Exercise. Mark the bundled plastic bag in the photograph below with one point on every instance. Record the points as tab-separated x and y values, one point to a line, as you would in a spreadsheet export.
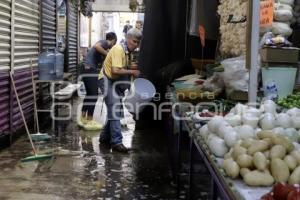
235	76
215	83
283	15
288	2
279	28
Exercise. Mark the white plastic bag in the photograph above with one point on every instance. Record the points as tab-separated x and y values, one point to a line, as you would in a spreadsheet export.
283	15
235	75
279	28
289	2
280	6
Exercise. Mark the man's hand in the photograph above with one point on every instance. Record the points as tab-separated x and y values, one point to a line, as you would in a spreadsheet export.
136	73
133	66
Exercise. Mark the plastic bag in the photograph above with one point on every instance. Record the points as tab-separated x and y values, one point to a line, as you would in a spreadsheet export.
281	29
280	6
283	15
235	75
266	37
289	2
214	83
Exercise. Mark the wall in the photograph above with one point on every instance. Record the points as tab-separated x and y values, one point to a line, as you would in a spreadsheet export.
111	5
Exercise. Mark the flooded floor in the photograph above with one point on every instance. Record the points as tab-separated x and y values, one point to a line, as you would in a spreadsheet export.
81	169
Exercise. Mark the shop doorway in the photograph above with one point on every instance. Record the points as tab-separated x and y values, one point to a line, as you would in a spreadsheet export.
94	29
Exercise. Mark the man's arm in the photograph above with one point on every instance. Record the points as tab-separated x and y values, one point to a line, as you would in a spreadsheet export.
100	49
122	71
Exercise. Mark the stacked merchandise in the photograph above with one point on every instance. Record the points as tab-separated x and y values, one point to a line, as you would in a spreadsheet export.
233	22
233	27
283	15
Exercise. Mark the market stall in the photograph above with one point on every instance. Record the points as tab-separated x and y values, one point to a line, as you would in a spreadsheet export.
252	145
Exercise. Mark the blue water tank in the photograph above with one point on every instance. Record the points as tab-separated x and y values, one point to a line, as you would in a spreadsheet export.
47	62
59	58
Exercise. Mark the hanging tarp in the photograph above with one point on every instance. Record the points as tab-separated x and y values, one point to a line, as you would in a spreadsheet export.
204	13
164	36
48	24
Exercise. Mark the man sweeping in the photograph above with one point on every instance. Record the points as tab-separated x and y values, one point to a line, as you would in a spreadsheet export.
116	69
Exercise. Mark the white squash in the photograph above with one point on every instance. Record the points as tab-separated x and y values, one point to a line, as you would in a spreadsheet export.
233	120
293	111
283	120
267	122
223	128
213	124
292	134
217	146
269	106
254	112
246	131
230	136
239	109
296	121
279	131
204	132
250	119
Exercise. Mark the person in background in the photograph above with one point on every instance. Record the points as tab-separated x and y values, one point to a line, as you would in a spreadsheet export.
126	27
116	68
92	66
139	25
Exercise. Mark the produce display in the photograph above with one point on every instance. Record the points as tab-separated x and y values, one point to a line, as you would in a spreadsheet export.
290	101
260	146
283	191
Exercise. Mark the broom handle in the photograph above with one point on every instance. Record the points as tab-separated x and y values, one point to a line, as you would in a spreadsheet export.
34	99
22	114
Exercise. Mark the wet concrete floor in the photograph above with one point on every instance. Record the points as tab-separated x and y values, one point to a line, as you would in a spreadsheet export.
81	169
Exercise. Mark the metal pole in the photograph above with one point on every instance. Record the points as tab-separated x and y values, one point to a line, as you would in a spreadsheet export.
252	47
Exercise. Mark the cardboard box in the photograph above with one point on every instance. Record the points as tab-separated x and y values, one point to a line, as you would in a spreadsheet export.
279	55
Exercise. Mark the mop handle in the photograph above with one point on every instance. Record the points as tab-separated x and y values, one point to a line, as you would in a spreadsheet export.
22	114
34	98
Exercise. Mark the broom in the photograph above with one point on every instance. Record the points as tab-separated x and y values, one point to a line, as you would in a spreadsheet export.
35	156
38	136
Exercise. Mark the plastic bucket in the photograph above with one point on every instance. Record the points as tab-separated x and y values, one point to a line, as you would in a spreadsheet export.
284	77
141	92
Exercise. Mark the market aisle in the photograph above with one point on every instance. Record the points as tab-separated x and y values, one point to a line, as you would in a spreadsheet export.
82	169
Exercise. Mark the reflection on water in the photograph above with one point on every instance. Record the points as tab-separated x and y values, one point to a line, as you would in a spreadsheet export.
81	169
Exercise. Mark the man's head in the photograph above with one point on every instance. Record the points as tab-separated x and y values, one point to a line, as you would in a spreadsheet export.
138	24
127	22
133	38
111	38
